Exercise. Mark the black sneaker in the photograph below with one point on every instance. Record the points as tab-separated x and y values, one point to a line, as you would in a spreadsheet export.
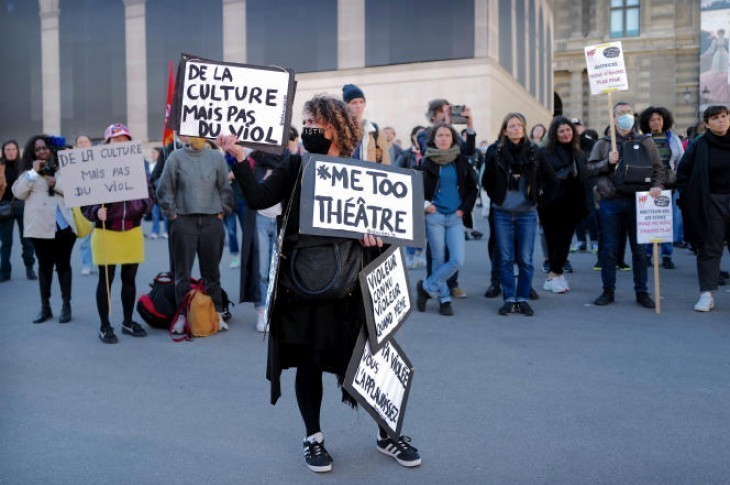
507	308
605	298
667	263
422	298
622	266
445	309
493	291
643	299
317	458
533	294
597	266
134	329
106	335
567	267
524	308
402	451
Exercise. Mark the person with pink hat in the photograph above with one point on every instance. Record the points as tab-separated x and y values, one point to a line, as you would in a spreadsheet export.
118	239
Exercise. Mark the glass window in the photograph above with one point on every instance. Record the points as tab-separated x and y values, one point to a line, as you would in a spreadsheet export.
625	18
418	30
297	34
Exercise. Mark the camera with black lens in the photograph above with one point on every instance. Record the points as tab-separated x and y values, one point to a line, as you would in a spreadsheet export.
47	169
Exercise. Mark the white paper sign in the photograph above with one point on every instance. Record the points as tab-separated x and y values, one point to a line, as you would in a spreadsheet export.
103	174
606	68
387	299
221	99
381	382
654	218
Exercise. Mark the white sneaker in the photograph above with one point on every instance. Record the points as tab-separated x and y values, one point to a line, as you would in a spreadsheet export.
553	284
153	236
164	235
222	325
86	271
178	327
235	262
563	282
705	303
261	325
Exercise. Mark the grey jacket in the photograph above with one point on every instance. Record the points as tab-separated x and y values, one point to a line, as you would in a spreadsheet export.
195	182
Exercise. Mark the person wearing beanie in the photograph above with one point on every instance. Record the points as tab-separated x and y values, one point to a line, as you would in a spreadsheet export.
373	146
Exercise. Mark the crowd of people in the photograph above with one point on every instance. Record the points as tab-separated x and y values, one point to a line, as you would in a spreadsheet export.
558	183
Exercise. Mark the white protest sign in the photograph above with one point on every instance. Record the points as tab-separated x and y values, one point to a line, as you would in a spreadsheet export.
251	102
380	382
654	218
606	68
350	198
385	287
103	174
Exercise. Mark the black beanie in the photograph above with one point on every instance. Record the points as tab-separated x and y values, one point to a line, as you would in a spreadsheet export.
350	92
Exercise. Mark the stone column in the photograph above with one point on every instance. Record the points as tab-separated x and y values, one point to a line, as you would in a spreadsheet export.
136	63
350	34
50	66
576	95
481	34
234	30
493	29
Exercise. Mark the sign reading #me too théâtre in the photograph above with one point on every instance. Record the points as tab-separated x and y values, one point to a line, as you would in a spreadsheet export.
350	198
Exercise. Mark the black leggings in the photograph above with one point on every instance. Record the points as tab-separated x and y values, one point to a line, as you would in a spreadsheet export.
308	385
129	292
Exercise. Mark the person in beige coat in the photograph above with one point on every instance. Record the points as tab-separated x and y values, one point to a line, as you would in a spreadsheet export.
48	223
372	147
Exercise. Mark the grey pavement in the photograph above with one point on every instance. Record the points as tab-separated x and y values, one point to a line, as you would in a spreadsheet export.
576	394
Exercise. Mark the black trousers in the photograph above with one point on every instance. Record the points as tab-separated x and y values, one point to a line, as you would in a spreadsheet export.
129	292
493	250
709	253
558	228
56	253
6	241
202	236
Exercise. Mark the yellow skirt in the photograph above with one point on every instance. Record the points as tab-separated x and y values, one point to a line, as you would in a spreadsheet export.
117	247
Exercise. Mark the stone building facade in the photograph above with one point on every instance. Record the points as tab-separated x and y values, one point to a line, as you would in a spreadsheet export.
661	42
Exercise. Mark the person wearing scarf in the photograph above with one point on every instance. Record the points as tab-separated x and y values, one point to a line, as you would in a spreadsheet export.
514	180
703	182
450	192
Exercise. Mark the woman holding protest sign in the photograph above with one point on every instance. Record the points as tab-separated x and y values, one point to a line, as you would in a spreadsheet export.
450	190
314	336
48	223
118	240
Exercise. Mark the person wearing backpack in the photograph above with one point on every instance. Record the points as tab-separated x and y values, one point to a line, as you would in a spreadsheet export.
616	187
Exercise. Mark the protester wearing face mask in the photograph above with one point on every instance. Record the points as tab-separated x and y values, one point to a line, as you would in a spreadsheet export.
118	240
195	195
617	208
313	336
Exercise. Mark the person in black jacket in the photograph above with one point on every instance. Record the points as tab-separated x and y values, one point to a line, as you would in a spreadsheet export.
560	215
450	190
514	180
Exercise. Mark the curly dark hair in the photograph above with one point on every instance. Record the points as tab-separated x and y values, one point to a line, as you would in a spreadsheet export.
335	113
29	152
645	116
552	135
432	134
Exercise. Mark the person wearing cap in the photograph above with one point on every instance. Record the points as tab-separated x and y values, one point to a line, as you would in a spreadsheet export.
118	240
372	147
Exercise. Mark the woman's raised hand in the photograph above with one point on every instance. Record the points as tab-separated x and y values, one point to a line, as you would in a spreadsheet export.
229	144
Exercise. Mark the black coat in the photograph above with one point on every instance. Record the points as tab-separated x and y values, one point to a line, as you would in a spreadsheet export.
693	184
466	180
568	196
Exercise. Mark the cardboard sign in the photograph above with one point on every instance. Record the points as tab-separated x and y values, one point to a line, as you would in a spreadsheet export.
606	69
254	103
350	198
385	289
103	174
380	382
654	218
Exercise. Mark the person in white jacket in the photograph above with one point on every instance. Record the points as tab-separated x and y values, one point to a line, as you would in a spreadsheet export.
48	223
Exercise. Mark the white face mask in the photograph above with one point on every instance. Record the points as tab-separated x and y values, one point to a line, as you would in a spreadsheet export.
625	122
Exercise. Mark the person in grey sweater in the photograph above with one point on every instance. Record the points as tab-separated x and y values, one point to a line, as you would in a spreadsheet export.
194	194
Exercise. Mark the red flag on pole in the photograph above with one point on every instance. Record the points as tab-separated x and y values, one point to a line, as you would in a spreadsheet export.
167	134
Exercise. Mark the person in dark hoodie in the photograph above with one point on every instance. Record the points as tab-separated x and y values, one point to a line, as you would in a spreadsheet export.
515	179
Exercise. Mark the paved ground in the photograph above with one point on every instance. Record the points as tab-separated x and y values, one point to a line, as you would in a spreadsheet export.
577	394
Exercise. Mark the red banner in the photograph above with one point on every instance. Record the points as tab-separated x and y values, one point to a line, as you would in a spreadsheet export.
167	134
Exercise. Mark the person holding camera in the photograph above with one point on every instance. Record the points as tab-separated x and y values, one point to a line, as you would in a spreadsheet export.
48	222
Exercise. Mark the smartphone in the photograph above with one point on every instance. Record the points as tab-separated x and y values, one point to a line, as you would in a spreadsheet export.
456	114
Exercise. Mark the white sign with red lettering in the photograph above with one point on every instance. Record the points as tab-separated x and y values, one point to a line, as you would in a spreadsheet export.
606	68
654	218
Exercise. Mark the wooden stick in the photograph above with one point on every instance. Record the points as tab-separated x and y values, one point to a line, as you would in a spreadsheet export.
612	122
106	266
657	293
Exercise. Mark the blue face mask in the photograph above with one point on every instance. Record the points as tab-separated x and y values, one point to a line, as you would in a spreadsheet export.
625	122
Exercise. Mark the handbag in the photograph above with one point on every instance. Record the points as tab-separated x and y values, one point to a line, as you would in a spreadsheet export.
6	210
83	225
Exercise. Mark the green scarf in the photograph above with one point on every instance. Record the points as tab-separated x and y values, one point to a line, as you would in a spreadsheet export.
443	157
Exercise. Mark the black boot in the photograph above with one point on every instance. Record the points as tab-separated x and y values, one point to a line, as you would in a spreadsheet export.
30	274
44	283
64	278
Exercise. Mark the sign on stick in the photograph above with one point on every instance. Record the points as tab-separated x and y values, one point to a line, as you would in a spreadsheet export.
654	218
606	68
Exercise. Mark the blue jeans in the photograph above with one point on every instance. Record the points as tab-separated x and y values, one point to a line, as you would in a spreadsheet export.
442	231
515	233
239	210
616	216
158	216
85	251
266	233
